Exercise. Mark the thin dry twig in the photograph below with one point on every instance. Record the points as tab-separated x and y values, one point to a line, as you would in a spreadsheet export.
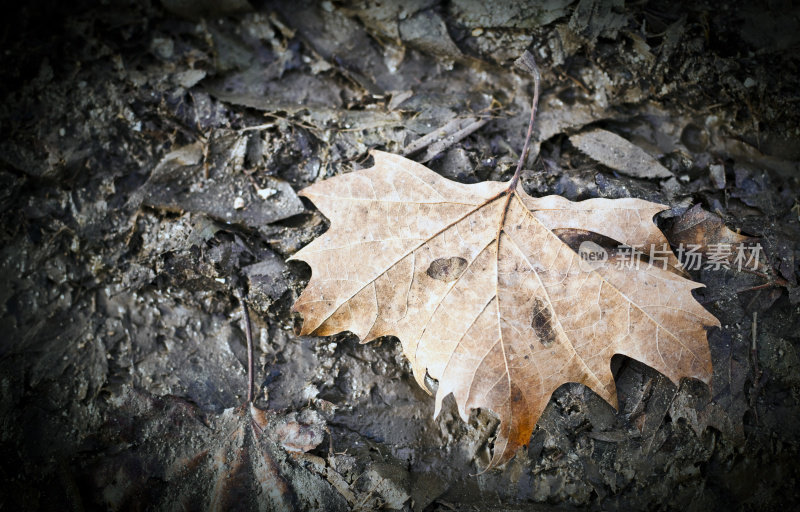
442	138
249	335
756	369
440	146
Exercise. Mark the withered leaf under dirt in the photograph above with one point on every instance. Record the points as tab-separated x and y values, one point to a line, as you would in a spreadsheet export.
167	454
486	298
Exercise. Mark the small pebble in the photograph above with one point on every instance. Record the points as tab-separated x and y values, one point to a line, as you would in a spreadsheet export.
477	32
266	193
238	203
717	174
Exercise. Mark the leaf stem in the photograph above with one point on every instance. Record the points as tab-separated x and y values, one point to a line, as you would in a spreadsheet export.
529	63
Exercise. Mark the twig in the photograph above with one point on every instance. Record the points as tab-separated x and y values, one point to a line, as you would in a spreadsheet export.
439	147
249	335
756	369
259	127
428	139
369	495
442	138
772	284
331	453
764	286
578	83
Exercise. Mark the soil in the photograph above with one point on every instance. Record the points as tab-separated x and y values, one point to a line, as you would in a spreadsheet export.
150	159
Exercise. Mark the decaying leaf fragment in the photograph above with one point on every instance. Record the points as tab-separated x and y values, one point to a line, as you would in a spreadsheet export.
486	298
705	231
617	153
165	453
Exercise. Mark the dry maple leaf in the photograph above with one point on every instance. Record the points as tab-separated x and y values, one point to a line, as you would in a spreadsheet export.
486	298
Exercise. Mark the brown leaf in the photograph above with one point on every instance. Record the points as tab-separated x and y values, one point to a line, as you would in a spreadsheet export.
704	230
486	298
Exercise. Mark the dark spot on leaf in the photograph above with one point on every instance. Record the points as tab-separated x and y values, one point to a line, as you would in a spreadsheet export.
516	395
447	269
542	322
575	237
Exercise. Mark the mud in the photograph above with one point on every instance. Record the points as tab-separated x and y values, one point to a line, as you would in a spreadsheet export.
150	159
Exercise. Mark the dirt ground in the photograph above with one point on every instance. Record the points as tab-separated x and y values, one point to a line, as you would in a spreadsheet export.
150	159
